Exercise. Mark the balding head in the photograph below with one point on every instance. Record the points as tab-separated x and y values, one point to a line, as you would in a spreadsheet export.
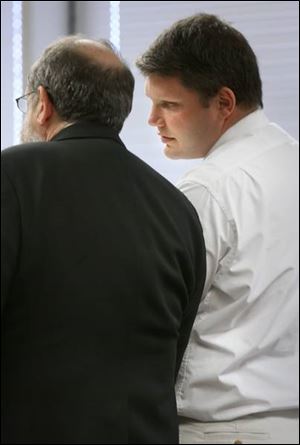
99	52
85	79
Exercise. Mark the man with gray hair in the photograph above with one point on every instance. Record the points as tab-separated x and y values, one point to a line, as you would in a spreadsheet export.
103	264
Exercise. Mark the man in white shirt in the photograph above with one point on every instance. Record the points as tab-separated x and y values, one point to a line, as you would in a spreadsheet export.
238	381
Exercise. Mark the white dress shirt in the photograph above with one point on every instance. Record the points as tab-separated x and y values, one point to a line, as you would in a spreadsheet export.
242	357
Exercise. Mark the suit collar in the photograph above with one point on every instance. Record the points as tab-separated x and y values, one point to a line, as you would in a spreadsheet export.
87	129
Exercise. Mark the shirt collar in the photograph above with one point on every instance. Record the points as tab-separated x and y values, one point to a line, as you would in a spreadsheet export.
246	126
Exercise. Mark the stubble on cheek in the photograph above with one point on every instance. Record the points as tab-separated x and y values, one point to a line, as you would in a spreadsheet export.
28	134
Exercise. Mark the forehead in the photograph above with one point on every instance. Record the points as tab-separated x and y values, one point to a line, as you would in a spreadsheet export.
167	88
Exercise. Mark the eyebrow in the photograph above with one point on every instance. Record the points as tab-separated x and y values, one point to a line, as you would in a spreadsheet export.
160	101
170	101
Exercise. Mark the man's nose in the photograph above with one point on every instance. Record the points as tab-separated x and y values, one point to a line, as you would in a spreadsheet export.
155	119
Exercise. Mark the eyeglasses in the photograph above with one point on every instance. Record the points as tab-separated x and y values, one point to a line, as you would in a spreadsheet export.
22	102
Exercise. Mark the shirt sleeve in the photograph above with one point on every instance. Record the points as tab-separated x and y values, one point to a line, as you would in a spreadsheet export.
10	235
218	229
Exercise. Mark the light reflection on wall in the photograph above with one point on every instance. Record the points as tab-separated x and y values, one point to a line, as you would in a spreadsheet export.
17	65
115	24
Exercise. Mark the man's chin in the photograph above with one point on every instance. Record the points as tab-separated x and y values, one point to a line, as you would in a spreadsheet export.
186	153
172	152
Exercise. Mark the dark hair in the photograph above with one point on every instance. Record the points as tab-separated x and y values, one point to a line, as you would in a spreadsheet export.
82	87
206	54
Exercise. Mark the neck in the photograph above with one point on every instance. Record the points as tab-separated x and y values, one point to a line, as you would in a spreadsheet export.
56	128
236	116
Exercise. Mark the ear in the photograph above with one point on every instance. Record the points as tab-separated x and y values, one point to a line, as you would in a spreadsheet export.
45	107
226	102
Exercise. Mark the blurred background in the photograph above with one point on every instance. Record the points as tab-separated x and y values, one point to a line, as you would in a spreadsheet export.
27	27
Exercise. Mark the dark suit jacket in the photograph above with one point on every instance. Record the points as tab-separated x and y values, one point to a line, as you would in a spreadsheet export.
103	269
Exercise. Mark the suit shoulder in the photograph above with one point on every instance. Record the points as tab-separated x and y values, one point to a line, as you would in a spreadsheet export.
22	151
148	177
19	156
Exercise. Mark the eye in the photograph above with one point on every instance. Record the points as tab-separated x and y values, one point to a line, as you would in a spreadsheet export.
169	105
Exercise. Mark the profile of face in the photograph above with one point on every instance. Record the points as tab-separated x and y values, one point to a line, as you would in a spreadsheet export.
186	127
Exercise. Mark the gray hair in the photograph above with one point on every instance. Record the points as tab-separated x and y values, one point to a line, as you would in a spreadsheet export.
82	87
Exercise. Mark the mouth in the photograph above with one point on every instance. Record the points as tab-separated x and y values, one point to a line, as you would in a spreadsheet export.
166	139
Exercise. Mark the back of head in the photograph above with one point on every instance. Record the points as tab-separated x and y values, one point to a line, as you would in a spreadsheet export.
85	79
206	54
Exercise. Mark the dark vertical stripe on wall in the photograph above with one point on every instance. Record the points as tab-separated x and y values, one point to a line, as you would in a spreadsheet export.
71	17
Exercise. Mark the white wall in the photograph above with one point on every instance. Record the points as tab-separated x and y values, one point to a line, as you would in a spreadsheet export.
93	19
43	22
7	99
